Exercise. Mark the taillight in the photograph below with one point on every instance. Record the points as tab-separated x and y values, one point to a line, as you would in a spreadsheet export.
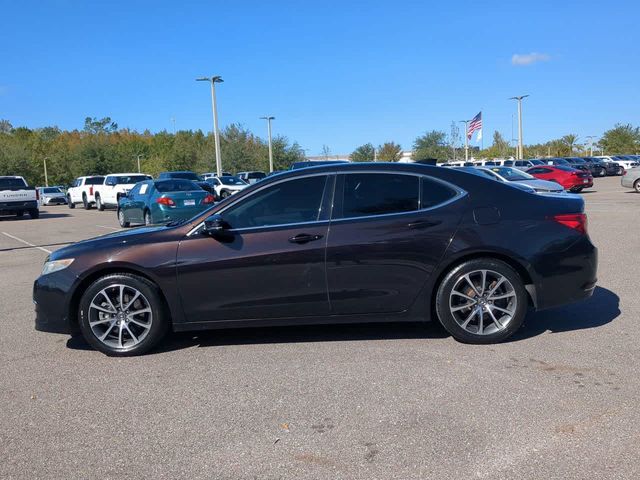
209	199
576	221
166	201
624	172
90	190
37	194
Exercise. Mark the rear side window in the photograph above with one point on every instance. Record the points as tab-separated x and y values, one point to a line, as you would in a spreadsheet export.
435	193
94	181
368	194
289	202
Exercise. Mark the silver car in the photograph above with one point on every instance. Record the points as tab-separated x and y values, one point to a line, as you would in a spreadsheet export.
508	174
631	179
52	196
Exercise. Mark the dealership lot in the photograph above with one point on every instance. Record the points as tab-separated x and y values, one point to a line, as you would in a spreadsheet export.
384	401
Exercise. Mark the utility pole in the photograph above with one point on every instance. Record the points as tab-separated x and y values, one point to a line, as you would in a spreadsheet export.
138	158
268	118
214	111
46	177
466	139
520	149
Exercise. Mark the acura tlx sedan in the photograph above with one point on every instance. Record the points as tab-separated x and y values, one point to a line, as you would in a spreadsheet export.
331	244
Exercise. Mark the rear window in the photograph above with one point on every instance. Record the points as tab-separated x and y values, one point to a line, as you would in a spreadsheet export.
129	179
183	175
368	194
256	175
176	186
9	183
94	181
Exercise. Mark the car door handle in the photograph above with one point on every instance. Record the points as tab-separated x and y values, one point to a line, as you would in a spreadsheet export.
423	224
304	238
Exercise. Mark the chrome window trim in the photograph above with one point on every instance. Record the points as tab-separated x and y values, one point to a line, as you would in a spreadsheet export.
460	193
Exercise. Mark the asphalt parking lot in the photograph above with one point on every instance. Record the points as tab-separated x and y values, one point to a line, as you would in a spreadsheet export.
559	401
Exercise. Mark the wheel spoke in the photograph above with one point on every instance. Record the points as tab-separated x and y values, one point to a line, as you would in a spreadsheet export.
480	318
121	296
104	294
138	312
133	337
460	294
120	334
483	285
139	323
466	277
468	319
504	295
132	300
500	309
102	309
104	335
493	317
495	287
100	322
462	307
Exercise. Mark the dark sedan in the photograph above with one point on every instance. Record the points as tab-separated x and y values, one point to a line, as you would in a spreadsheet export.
375	242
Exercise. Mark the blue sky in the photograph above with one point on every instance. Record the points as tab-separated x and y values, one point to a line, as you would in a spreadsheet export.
334	73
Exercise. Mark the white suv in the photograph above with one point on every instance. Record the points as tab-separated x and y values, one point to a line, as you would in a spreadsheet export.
116	185
226	186
82	190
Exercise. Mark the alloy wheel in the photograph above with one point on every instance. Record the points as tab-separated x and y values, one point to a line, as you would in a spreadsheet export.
120	316
483	302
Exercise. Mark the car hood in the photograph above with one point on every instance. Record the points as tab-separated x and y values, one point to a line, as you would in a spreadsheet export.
542	185
120	239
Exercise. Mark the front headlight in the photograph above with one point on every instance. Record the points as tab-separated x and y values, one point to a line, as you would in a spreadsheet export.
56	265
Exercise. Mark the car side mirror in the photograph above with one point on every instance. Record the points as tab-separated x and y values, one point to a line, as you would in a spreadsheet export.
215	226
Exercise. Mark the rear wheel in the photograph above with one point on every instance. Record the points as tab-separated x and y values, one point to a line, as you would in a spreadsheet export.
122	315
35	213
99	204
636	185
85	203
70	204
481	301
122	219
19	214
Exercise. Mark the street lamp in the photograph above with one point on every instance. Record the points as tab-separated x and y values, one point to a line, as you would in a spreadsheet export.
520	154
216	134
46	177
138	158
590	138
268	118
466	139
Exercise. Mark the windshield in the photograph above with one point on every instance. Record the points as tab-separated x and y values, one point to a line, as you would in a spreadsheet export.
511	174
51	190
232	181
176	185
7	183
129	179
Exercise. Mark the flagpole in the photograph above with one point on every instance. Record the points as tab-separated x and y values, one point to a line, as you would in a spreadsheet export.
466	139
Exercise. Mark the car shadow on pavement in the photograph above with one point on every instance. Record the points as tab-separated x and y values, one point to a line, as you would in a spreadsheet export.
603	307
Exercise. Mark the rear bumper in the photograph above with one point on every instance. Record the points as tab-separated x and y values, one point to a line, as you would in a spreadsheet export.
13	207
567	276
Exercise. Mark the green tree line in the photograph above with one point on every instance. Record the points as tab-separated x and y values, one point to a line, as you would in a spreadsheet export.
101	148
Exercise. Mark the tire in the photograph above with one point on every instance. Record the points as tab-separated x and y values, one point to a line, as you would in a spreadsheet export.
70	204
99	204
224	194
147	218
576	189
19	214
603	173
464	323
35	213
636	185
121	219
123	334
85	203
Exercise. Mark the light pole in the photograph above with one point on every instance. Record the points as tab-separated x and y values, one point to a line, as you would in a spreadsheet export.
138	158
46	177
216	134
466	139
268	118
590	138
520	150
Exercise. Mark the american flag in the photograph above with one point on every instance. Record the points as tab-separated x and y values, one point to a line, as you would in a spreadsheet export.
475	124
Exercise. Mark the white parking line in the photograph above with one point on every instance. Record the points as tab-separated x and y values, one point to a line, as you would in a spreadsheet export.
110	228
26	243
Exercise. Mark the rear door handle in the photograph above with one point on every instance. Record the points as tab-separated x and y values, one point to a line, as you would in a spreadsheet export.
424	224
304	238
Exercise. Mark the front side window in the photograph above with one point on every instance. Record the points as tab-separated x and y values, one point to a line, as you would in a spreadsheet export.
288	202
367	194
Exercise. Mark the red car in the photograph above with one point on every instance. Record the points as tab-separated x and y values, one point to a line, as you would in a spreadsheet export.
570	178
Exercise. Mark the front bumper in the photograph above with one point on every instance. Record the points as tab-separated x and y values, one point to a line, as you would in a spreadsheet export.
52	300
54	201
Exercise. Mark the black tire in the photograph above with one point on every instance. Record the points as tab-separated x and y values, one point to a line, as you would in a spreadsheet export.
149	293
99	204
603	172
85	203
576	189
34	213
121	220
147	218
70	204
225	194
19	214
456	275
636	185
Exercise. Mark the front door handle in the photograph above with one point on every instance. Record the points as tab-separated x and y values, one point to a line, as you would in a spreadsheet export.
424	224
304	238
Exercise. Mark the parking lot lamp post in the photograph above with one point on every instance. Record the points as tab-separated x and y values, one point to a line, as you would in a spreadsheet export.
214	110
268	118
590	138
138	158
520	154
466	139
46	177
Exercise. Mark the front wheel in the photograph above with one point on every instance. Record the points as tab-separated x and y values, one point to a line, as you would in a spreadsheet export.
70	204
122	315
481	301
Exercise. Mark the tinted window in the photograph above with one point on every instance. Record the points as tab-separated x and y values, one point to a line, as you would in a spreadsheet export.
258	175
435	193
51	190
232	181
183	175
129	179
176	186
136	190
539	170
94	181
508	163
9	183
292	201
379	193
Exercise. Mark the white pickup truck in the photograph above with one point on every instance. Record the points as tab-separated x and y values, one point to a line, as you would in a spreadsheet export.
82	191
16	197
116	185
